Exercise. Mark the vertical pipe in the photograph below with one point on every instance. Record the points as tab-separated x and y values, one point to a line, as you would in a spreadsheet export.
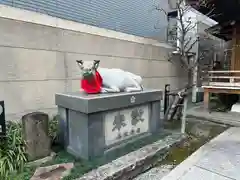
166	97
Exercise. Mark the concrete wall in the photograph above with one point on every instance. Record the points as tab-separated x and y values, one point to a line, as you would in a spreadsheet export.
38	55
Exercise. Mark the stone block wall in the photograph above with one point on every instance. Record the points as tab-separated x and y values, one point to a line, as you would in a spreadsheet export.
38	58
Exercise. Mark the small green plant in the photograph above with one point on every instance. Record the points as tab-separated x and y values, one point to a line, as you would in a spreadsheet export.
53	129
12	151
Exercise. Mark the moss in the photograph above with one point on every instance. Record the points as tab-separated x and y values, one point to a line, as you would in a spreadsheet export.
83	166
172	125
180	153
175	156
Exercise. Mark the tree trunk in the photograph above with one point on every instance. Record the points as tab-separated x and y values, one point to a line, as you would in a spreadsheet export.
184	114
185	101
189	77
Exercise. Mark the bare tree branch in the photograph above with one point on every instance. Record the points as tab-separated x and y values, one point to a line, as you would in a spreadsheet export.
158	7
187	42
192	45
181	32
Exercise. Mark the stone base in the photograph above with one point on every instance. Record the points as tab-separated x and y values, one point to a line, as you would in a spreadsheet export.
91	125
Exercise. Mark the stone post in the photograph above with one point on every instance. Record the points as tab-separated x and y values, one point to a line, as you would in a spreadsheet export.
35	133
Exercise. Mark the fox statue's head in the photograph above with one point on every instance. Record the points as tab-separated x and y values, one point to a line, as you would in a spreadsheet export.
88	68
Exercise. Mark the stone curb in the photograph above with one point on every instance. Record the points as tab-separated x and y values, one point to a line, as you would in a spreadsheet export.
215	120
134	163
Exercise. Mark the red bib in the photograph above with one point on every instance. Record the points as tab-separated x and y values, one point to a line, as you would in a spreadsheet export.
92	85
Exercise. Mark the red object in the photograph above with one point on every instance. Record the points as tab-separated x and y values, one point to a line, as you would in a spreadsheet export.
92	85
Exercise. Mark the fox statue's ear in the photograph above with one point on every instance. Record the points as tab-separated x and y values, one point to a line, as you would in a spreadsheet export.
80	63
96	64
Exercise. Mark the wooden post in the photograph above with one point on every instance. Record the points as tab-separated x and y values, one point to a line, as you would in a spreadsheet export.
234	42
235	59
206	99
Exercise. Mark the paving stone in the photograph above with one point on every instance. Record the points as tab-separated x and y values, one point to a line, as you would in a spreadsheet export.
196	173
222	162
228	141
217	160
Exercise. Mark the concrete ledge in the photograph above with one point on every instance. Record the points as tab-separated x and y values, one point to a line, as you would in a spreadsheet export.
91	103
134	163
227	118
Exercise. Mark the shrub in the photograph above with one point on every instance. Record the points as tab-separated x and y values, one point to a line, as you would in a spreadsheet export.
12	150
53	129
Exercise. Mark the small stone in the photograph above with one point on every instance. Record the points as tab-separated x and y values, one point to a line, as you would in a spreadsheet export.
201	130
55	172
119	136
186	144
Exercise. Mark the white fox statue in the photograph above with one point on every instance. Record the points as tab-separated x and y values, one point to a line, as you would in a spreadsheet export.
103	80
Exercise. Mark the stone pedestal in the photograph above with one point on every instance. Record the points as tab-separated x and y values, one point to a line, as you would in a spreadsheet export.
90	125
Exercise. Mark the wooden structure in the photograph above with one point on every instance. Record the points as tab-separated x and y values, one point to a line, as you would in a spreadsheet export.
227	14
221	82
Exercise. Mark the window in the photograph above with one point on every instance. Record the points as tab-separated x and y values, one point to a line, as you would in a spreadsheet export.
172	4
172	28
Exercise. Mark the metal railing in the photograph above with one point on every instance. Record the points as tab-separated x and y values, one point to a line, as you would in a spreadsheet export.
222	78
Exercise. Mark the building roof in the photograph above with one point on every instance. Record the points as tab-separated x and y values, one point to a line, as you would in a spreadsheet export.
224	10
226	13
223	31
